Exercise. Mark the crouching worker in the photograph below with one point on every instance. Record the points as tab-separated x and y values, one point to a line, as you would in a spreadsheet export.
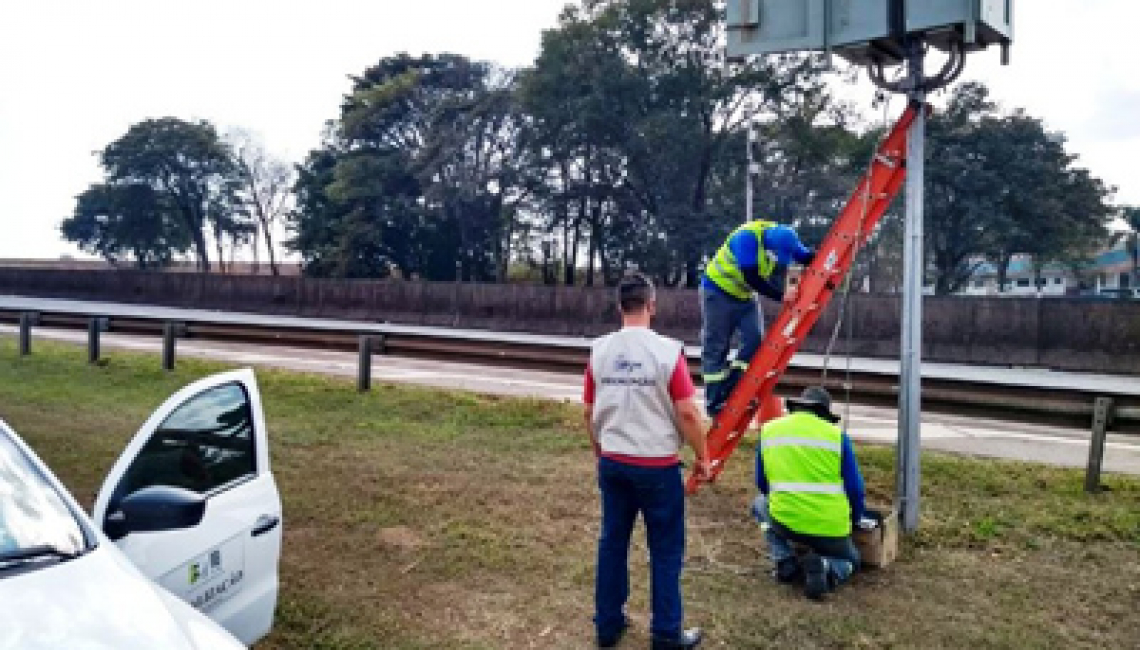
811	491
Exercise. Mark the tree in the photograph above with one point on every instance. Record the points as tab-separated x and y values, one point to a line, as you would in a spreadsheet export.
188	166
636	113
425	169
1131	217
119	222
578	96
1001	185
266	184
476	172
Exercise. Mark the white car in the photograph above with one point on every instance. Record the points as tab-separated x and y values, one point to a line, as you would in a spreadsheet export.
181	550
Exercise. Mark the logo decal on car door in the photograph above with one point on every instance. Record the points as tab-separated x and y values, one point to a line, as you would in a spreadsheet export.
212	577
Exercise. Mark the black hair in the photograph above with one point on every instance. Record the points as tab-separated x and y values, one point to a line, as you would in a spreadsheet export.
634	293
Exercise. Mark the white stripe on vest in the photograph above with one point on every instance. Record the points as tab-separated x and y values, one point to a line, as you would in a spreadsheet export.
768	443
820	488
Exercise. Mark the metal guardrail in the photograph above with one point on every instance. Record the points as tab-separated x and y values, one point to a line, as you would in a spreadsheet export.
1069	406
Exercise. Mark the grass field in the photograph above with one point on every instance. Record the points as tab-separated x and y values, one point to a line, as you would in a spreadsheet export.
418	518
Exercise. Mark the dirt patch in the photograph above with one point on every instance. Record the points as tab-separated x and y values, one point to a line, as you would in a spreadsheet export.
400	538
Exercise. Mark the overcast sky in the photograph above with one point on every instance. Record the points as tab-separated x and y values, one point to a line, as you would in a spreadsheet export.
75	74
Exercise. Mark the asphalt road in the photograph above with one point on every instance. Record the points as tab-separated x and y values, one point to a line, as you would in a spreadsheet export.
955	433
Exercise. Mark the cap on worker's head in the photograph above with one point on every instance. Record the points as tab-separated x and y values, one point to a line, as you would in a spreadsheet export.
783	242
814	399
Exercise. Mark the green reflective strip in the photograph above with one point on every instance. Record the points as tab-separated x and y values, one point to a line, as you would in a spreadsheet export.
713	377
740	365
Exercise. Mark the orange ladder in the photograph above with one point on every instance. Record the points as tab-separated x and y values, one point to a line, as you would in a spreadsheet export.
818	282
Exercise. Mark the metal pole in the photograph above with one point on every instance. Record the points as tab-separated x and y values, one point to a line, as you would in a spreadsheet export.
748	175
26	322
1101	412
455	292
169	336
910	384
93	328
364	365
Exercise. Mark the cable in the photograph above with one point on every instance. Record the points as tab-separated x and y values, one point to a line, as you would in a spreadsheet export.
951	70
854	256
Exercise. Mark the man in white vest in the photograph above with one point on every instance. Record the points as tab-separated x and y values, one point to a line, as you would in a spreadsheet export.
639	410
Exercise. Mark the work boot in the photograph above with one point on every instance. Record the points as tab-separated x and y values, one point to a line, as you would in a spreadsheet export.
689	638
815	571
788	571
611	640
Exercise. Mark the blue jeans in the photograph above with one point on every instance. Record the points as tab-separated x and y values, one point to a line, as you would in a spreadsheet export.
722	316
840	552
658	494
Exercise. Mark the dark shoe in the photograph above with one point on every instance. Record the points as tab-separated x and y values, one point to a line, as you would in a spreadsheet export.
815	571
611	640
788	571
690	638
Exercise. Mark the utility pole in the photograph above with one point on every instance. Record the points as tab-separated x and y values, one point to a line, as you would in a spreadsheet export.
910	359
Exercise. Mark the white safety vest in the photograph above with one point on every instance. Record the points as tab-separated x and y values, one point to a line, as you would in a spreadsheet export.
633	412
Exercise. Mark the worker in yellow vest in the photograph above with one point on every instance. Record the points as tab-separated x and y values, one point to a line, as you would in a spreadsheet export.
811	493
754	258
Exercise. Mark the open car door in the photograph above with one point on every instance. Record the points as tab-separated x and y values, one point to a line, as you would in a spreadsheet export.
210	439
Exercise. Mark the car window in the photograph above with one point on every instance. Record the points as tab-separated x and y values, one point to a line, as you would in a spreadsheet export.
32	512
205	444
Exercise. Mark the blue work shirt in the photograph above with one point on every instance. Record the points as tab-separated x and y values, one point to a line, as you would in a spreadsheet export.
746	248
849	469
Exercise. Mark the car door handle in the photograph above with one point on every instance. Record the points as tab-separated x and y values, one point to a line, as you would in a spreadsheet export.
264	524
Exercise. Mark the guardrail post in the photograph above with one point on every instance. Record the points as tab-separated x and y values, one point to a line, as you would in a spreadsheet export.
170	332
1102	413
94	327
27	320
364	367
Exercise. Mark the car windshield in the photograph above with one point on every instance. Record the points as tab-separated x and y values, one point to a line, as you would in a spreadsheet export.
34	518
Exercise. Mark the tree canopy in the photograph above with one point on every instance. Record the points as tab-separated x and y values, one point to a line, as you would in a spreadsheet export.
623	145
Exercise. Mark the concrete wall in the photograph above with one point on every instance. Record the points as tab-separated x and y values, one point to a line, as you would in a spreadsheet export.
1062	333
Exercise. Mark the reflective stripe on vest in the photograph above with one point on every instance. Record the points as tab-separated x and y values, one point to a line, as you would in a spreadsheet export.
802	457
802	442
724	271
819	488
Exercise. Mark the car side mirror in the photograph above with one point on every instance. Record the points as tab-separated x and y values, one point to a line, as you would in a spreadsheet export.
154	509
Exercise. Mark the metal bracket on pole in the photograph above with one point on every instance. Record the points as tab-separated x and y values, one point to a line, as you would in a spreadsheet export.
1102	417
27	320
94	327
171	330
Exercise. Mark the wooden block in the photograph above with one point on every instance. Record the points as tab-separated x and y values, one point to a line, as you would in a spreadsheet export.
879	546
